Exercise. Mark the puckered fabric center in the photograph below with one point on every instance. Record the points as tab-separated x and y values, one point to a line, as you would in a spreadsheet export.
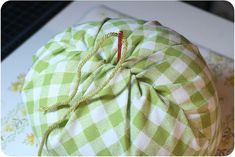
161	102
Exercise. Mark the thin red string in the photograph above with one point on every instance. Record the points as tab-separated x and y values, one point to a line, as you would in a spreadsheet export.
120	35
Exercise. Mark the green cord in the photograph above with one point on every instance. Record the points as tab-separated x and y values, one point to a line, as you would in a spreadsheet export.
84	98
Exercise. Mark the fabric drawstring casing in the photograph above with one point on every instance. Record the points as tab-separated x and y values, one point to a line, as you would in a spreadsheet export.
72	108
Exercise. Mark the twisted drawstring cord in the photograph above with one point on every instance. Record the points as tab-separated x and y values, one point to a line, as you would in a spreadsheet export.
85	98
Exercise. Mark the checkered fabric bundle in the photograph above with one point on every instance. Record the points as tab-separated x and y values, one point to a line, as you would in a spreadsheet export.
162	101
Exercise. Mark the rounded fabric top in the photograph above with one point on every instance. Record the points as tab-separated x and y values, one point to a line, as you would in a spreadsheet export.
161	102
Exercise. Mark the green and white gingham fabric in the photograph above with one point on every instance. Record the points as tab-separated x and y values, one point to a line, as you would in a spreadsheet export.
162	102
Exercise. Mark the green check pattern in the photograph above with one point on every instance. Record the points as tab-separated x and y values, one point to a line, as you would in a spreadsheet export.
162	102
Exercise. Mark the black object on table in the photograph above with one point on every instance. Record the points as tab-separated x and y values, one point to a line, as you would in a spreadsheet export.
21	19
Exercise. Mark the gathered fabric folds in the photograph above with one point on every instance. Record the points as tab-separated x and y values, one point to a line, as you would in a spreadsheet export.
158	99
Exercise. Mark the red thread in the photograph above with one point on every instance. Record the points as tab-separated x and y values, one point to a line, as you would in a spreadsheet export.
120	35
